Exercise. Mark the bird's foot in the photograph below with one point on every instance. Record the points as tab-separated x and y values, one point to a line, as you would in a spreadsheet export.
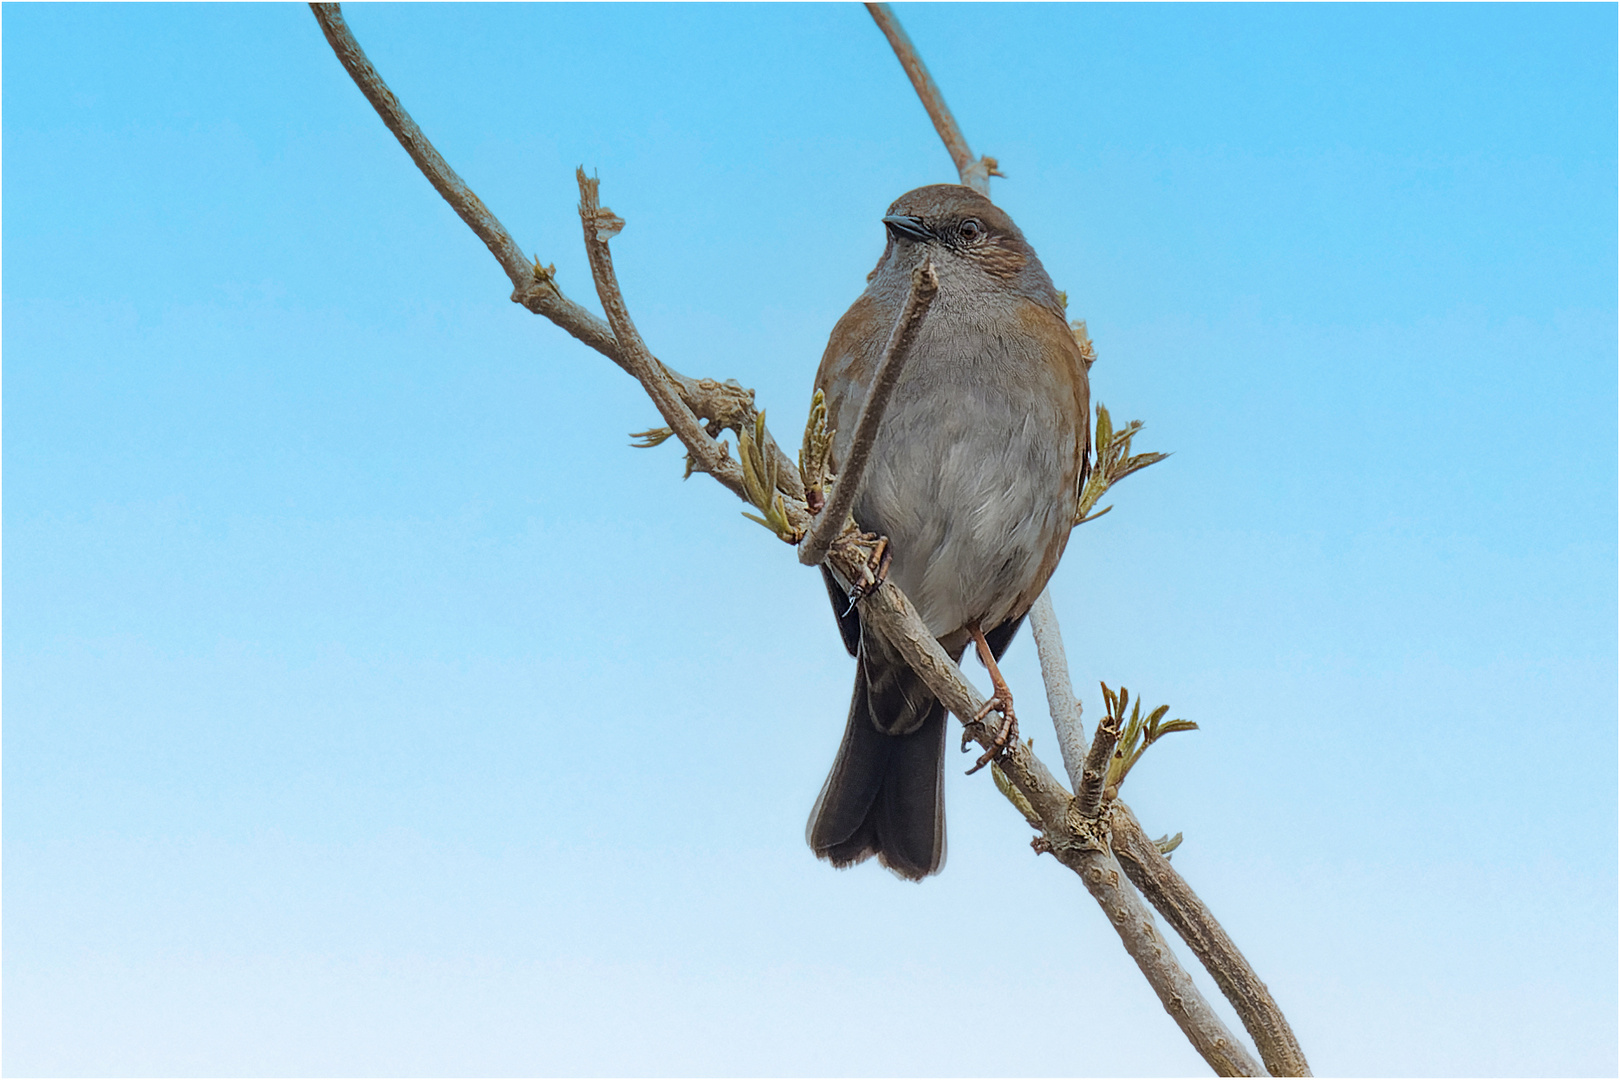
878	558
1006	734
1001	701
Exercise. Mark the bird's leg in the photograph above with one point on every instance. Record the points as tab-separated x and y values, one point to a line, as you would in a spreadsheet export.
881	558
1001	701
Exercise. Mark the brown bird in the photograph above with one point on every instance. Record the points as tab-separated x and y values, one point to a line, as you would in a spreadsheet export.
974	478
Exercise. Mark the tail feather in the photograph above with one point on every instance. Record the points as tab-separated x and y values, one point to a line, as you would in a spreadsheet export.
885	795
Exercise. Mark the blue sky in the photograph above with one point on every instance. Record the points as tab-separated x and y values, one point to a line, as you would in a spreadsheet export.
371	707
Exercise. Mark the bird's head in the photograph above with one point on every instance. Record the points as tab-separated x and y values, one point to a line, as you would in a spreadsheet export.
971	240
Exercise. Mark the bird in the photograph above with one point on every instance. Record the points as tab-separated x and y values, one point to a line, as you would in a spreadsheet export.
974	479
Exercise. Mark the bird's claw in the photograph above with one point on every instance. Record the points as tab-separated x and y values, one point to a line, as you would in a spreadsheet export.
1006	734
877	564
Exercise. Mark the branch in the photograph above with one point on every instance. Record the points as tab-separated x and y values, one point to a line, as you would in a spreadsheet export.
1133	922
725	405
525	275
1077	843
1084	774
1089	796
975	172
1060	698
601	225
1152	873
924	287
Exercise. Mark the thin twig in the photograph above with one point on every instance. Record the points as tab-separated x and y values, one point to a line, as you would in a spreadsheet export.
1060	699
924	287
562	311
975	172
704	452
434	167
1153	874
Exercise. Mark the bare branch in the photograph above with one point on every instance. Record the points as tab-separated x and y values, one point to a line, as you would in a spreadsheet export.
726	405
1076	843
975	172
1163	886
1060	699
433	166
1144	863
600	226
1133	922
924	287
537	291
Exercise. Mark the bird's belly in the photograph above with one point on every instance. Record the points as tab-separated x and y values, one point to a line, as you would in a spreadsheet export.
976	501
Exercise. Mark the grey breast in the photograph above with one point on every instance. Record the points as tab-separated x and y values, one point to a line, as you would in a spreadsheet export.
969	471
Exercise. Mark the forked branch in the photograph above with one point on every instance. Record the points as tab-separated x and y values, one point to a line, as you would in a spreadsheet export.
725	405
1153	874
1078	843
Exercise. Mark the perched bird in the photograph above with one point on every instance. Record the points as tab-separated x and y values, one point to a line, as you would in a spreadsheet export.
974	479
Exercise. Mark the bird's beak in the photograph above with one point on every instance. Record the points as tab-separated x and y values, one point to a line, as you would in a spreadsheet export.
909	227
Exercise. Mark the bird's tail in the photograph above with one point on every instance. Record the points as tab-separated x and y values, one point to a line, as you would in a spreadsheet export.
885	795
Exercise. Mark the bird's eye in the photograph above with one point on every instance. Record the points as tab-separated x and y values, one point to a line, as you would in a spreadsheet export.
970	230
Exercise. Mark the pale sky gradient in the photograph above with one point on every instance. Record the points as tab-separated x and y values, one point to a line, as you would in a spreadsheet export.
371	707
